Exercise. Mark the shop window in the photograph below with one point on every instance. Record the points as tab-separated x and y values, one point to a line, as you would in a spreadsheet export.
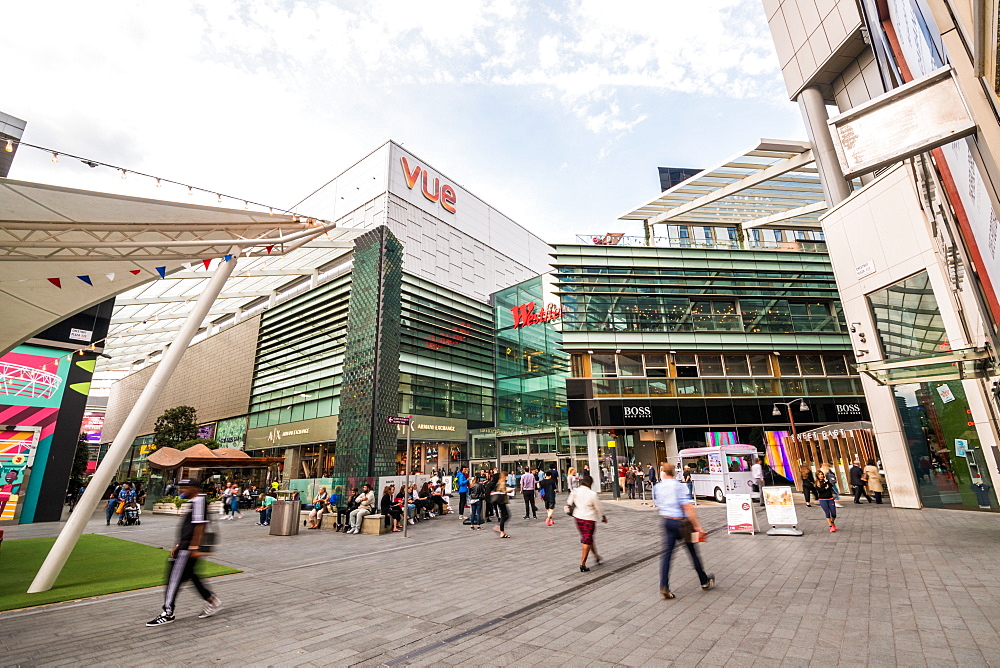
606	388
788	365
736	365
766	388
577	366
792	387
835	365
656	361
659	388
603	366
686	366
688	387
742	388
811	365
634	387
630	365
760	365
710	365
817	387
841	386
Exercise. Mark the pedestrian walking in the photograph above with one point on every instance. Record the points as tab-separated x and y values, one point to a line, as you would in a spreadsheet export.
585	508
528	484
757	472
824	492
498	497
572	479
112	504
630	478
192	543
679	520
873	480
858	482
548	486
826	470
808	483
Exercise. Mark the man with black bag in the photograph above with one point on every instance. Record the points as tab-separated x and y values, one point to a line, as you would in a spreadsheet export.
194	541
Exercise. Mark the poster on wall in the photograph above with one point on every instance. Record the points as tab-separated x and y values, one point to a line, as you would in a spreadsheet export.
779	506
739	513
231	433
32	383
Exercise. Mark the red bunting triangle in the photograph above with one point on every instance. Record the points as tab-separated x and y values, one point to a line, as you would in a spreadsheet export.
56	282
135	272
269	249
206	263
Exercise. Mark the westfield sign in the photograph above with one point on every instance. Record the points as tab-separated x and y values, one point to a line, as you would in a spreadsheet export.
444	194
525	314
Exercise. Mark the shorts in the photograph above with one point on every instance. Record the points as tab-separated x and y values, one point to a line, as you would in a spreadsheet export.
550	503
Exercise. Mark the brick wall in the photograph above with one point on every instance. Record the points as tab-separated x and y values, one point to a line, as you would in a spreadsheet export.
214	376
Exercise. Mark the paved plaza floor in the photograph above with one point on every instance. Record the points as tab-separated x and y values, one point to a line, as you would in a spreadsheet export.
892	587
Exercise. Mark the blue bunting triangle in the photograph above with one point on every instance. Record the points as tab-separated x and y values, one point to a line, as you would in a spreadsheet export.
86	279
162	271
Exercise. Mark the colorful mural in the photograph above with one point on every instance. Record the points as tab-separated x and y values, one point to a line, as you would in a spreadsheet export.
716	438
32	383
776	456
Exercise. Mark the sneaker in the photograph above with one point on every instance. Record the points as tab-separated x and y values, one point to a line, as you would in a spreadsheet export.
711	582
837	505
833	528
212	606
160	620
257	523
411	521
266	524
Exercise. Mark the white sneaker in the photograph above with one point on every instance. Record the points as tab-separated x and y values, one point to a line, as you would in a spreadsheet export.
412	522
837	505
212	606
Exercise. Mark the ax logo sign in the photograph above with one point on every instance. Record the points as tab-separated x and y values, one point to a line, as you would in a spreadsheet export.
445	194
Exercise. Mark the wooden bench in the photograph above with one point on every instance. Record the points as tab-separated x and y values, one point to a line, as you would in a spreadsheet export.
375	525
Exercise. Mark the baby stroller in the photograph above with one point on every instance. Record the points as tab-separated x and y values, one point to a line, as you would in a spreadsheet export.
130	515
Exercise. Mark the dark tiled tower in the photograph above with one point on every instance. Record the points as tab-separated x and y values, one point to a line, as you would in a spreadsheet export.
366	445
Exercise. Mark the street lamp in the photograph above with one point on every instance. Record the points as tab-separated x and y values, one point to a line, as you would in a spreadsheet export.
803	407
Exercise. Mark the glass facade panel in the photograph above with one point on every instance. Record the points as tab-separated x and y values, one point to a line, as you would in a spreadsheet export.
656	361
908	320
710	365
811	365
835	365
788	365
630	365
603	365
760	365
736	365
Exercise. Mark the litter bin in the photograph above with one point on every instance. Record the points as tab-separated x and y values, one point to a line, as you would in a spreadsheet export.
285	518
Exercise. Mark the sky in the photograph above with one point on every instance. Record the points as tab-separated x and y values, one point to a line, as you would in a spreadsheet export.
555	113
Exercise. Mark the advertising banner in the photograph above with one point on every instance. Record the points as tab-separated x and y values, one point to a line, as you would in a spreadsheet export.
16	452
739	513
779	506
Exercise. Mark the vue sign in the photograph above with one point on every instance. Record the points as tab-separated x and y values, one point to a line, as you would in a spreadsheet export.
525	314
444	194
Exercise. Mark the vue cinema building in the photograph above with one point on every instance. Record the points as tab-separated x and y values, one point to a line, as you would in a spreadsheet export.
398	324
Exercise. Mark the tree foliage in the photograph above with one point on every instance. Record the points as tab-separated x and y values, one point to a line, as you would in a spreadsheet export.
176	425
209	443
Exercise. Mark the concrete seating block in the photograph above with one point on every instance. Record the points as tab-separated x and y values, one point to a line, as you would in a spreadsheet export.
329	521
374	524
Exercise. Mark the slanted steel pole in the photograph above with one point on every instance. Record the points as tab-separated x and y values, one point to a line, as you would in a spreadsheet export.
120	447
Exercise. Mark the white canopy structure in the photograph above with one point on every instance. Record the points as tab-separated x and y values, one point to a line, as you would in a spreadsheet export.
91	242
64	250
773	184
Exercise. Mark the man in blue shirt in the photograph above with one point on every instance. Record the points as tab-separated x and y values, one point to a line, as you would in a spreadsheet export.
463	490
675	505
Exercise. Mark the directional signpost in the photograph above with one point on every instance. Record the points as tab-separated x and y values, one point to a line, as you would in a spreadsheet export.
396	420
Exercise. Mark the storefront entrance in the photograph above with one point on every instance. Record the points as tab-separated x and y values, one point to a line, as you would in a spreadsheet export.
944	446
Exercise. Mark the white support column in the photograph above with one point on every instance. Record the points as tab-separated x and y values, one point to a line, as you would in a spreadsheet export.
835	186
68	537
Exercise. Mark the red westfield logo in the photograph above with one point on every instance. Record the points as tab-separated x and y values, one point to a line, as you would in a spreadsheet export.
442	193
525	314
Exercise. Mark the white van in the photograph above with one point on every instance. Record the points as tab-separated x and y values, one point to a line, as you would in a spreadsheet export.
719	470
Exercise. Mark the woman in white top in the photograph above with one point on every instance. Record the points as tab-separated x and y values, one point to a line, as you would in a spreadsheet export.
572	479
585	507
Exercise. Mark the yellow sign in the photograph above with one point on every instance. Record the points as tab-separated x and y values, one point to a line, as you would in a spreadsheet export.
611	444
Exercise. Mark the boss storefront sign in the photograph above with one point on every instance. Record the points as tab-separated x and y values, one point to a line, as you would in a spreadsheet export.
708	412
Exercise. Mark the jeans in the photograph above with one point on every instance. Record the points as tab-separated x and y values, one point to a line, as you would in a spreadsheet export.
265	515
829	508
690	486
234	504
630	486
477	512
529	503
461	502
672	534
358	516
109	511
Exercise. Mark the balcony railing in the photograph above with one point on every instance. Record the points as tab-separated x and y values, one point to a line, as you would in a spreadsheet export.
615	239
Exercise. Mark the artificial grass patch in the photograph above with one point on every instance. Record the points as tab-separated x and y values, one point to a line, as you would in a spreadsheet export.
98	565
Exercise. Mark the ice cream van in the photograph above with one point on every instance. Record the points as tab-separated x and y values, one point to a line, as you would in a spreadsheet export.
719	470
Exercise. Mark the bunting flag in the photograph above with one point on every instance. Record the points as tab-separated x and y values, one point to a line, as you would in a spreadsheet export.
110	276
228	258
86	279
206	263
56	282
188	265
135	272
162	271
269	248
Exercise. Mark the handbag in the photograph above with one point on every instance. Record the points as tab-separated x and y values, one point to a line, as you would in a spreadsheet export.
120	508
570	508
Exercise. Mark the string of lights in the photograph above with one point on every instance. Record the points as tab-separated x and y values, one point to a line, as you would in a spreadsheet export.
11	144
